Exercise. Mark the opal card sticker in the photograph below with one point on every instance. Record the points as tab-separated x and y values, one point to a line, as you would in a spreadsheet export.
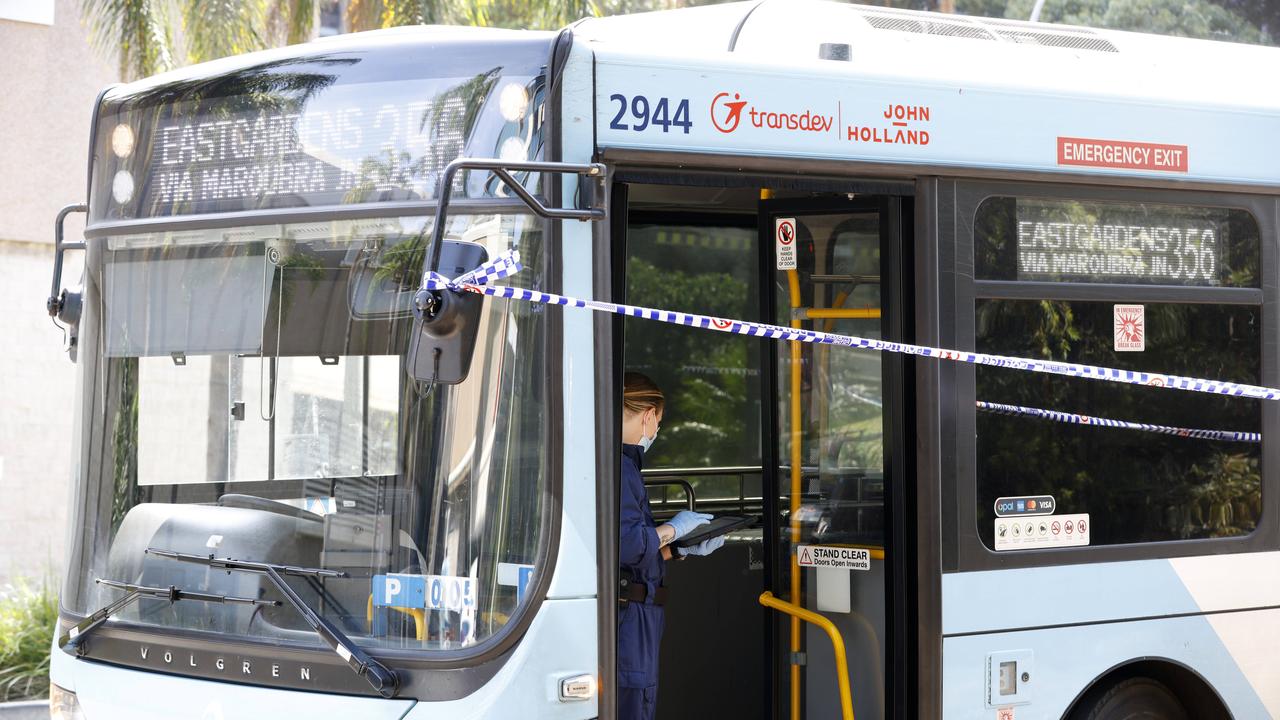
1025	505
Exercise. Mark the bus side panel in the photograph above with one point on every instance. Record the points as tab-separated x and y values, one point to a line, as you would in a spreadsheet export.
987	612
998	600
1065	661
561	642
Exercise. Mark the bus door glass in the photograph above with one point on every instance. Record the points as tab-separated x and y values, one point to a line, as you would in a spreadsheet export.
830	452
707	455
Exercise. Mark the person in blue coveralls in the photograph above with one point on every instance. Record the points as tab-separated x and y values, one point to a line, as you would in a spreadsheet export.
642	551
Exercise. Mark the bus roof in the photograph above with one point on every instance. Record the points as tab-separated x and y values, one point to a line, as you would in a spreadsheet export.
982	92
935	47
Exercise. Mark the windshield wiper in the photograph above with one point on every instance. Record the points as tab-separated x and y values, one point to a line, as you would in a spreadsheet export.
382	678
71	640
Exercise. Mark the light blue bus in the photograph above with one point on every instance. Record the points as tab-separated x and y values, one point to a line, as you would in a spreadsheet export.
300	493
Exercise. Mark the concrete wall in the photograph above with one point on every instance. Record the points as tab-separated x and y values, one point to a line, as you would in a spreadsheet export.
49	81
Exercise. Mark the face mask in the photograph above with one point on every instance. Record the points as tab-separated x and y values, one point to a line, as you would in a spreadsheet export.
646	442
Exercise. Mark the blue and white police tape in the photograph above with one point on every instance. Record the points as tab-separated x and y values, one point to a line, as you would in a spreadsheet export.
508	263
1077	419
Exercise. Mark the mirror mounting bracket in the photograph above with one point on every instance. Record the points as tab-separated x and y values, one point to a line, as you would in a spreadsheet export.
444	322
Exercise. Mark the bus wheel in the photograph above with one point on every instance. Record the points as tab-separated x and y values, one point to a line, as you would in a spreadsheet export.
1136	698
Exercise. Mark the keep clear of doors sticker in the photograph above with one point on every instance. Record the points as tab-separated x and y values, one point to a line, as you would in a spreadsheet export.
828	556
784	236
1027	533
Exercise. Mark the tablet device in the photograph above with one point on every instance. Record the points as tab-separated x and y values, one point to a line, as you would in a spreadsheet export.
717	527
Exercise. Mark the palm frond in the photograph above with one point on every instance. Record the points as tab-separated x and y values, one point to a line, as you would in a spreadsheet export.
558	13
417	12
301	20
364	15
136	32
218	28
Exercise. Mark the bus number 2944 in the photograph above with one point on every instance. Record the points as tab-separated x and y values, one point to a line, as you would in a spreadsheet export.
644	114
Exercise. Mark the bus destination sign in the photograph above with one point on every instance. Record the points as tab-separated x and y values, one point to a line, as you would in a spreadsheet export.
1124	243
338	145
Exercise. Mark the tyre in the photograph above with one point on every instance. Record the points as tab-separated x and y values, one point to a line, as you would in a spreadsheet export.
1137	698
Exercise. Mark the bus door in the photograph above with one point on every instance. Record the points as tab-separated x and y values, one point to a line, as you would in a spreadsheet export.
836	453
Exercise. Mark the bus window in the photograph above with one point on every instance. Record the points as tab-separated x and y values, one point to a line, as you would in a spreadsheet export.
1135	486
710	443
254	403
711	380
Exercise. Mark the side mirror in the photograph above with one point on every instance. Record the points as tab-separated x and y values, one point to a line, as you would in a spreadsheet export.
445	324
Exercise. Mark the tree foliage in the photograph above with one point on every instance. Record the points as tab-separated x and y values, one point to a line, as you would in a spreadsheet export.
147	37
151	36
1184	18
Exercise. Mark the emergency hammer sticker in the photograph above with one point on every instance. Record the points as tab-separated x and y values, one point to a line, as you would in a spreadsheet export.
828	556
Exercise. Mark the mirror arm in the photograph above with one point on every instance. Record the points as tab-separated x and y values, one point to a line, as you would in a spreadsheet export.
502	170
64	305
56	302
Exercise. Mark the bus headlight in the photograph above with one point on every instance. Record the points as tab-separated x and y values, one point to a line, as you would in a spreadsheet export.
63	704
513	102
122	187
122	141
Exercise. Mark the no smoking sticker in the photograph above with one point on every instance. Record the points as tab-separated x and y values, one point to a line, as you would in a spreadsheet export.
1041	532
784	235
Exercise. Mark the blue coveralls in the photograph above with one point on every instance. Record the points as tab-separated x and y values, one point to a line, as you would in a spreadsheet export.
639	624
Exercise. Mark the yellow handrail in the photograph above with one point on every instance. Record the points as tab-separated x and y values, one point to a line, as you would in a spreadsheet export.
841	313
837	644
419	618
797	458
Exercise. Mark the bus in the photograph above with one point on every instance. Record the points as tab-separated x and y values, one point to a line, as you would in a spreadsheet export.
314	476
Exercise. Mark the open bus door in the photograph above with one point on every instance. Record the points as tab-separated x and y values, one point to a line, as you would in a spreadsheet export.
728	447
837	566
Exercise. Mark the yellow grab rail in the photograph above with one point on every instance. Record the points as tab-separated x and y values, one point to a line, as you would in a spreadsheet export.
837	643
840	313
419	618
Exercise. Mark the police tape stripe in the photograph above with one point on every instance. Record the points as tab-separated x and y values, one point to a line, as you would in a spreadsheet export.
508	263
1065	417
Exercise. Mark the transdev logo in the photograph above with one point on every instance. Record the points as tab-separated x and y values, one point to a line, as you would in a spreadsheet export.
726	114
727	110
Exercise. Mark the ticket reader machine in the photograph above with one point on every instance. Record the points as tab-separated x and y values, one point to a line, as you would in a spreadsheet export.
793	619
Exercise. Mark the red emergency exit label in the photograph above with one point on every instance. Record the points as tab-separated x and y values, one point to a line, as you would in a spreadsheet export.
1122	154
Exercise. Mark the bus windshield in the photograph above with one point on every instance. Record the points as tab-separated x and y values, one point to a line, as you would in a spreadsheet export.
246	397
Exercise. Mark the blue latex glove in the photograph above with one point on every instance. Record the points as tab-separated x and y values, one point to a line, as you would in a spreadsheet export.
706	547
686	521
